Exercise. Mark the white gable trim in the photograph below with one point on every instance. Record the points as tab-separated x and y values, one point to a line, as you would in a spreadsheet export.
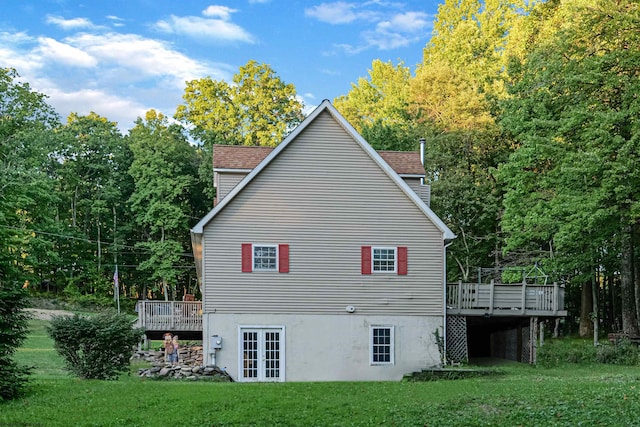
326	105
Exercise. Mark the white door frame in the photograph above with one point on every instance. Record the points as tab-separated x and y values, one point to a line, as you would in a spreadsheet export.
261	356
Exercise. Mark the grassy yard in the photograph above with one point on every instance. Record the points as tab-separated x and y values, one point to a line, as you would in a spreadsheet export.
596	395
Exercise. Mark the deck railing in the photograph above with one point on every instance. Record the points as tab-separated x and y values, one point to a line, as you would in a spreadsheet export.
505	300
170	315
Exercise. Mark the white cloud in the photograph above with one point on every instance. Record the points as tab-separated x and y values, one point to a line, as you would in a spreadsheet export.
216	26
136	58
115	108
409	22
135	73
222	12
70	24
333	13
15	52
389	27
116	20
399	31
64	53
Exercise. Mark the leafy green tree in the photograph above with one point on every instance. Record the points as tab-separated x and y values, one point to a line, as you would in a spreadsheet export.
572	184
163	169
377	106
13	331
455	89
256	108
93	186
98	347
26	187
381	99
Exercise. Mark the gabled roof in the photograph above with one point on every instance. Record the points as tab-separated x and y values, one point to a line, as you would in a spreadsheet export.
326	105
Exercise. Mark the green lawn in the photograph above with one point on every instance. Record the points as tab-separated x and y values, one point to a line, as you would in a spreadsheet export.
596	395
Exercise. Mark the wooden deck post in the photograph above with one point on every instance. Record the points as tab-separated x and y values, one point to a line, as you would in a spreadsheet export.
524	296
459	294
492	284
533	339
556	298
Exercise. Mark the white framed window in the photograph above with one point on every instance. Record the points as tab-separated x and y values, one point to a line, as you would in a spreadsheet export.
383	259
381	345
265	258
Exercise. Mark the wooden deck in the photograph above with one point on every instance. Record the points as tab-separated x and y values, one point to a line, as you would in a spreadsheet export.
494	299
170	316
464	299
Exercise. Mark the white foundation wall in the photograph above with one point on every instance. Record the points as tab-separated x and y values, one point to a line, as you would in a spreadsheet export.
330	347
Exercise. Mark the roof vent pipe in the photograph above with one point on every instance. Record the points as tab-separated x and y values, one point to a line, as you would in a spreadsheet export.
422	144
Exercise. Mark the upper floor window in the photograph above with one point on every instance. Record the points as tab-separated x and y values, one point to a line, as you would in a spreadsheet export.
384	259
265	257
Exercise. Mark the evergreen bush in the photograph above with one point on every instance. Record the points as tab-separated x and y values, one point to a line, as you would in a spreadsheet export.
13	331
98	347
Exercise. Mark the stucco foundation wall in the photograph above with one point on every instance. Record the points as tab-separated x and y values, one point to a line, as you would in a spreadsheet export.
330	347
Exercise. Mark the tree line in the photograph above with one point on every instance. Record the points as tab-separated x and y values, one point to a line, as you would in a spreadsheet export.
529	109
531	115
82	204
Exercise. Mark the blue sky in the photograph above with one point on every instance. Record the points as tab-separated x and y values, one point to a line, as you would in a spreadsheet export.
119	58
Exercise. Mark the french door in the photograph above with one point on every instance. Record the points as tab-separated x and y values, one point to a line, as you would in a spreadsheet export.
261	354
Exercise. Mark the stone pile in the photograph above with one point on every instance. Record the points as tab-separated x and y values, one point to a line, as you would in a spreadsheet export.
189	366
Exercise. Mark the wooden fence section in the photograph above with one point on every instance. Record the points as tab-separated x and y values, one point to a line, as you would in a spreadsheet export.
480	299
170	315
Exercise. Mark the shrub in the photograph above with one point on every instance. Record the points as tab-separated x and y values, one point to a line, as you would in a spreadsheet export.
624	352
98	347
557	352
13	331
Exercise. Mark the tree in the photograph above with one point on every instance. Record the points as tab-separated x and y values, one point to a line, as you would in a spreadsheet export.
455	89
377	108
381	99
571	184
163	169
13	331
93	186
257	108
26	187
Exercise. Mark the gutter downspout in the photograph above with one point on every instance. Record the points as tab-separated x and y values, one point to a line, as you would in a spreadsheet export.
444	276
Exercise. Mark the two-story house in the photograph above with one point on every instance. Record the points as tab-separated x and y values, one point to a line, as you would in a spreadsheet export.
320	261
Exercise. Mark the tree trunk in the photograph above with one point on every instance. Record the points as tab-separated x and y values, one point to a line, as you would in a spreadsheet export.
636	270
586	308
627	286
596	312
164	278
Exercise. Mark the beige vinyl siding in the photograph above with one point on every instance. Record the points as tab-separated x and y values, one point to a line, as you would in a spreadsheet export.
226	181
325	197
423	191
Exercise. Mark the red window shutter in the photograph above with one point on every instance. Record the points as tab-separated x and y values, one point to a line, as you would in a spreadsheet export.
283	258
247	258
366	260
402	260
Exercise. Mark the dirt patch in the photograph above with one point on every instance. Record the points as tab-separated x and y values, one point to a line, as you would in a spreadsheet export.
42	314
